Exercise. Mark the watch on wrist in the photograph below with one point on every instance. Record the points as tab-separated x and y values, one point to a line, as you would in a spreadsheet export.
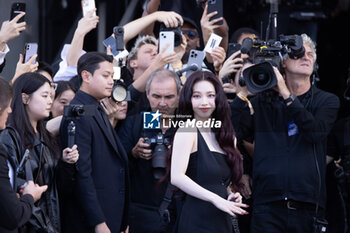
290	99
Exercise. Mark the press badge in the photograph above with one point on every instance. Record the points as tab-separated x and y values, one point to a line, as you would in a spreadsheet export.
292	128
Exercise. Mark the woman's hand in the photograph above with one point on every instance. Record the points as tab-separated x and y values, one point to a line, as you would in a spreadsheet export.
236	197
22	68
70	155
218	56
230	207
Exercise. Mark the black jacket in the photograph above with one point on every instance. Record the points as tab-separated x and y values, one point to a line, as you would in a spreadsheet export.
45	169
287	142
101	190
144	188
14	211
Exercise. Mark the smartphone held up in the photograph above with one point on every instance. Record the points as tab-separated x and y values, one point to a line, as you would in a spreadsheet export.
87	6
166	40
30	49
16	9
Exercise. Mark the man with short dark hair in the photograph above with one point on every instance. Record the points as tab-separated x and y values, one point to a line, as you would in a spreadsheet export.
99	201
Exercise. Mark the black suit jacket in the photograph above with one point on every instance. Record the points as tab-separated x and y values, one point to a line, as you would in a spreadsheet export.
101	190
14	212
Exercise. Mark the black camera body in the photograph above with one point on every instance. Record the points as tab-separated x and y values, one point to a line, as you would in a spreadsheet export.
72	112
266	54
159	144
78	110
119	38
177	32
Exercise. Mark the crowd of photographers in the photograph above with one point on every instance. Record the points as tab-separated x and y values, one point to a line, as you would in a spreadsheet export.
93	167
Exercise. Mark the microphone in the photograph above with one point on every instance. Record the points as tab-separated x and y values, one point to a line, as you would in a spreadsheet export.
247	45
192	67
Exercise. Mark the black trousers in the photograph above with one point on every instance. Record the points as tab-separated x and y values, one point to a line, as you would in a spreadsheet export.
280	217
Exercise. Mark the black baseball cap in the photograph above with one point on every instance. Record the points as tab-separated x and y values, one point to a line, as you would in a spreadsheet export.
190	22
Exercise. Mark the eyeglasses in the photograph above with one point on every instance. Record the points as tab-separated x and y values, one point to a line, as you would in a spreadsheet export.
190	33
54	85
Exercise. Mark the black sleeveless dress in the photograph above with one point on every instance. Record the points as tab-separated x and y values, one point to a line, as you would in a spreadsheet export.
211	171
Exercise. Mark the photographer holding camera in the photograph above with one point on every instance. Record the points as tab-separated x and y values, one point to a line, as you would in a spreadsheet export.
289	124
147	149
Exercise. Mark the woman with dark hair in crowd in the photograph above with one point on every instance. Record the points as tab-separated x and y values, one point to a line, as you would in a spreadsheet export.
205	162
14	211
31	104
64	95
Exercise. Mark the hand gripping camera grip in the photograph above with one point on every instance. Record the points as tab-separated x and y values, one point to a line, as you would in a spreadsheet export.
71	134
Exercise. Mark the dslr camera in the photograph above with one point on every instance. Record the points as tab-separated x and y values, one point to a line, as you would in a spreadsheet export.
159	145
260	76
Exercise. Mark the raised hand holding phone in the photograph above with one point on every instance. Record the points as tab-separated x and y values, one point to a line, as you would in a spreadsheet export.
87	23
18	8
87	6
166	38
30	50
215	7
11	29
196	57
22	68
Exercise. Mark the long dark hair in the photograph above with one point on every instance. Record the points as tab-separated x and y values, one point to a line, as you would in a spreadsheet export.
6	94
63	86
224	135
28	83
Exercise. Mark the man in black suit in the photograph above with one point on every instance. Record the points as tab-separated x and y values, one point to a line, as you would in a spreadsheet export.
14	211
100	197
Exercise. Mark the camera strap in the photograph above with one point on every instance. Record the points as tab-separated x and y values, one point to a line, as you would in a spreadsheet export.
245	99
347	137
163	208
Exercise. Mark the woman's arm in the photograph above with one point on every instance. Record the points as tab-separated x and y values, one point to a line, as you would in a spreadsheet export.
184	144
85	25
53	125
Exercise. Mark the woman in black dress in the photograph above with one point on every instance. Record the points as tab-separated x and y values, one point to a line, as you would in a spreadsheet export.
205	163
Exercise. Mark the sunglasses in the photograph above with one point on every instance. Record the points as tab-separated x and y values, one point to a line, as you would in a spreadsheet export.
190	33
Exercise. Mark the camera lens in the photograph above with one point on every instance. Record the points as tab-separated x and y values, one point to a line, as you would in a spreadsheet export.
119	93
260	78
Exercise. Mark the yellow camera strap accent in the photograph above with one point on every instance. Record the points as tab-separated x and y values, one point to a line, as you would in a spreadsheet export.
245	99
